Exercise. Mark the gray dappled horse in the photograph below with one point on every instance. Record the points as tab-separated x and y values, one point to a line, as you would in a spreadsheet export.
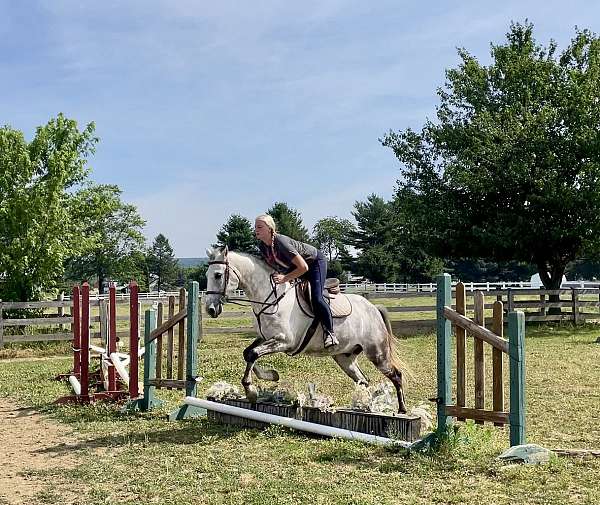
282	323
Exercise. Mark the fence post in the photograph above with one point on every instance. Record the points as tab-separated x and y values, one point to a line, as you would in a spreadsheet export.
511	300
444	366
134	322
542	304
575	304
112	335
61	309
149	360
84	347
516	337
478	354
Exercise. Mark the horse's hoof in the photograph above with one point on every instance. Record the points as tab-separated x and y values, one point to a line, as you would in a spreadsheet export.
251	393
266	374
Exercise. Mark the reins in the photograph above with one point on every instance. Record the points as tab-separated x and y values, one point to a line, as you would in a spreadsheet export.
235	300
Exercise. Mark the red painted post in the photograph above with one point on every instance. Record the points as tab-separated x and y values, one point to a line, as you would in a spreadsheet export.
112	335
134	321
85	342
76	332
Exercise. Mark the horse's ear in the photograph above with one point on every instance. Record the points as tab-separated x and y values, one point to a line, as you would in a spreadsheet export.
225	250
210	253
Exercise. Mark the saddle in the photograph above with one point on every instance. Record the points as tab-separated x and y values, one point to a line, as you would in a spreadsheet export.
338	302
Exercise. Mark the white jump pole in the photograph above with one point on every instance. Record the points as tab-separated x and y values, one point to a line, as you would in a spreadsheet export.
75	385
296	424
99	350
119	367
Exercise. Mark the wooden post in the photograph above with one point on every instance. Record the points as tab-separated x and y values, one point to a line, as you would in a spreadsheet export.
85	342
543	304
103	313
497	366
444	360
134	320
575	305
194	316
516	337
76	331
60	312
511	300
159	343
478	354
461	381
112	335
181	342
149	360
170	347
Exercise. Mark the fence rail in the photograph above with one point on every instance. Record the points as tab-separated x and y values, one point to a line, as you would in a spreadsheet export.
577	305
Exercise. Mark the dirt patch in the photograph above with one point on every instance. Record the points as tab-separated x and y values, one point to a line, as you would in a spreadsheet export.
28	443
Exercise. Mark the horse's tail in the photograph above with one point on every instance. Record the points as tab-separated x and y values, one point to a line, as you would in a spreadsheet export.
395	359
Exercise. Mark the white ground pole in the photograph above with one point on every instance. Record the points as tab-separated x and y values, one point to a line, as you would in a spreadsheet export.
296	424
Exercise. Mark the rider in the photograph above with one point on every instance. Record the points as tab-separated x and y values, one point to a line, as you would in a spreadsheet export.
296	259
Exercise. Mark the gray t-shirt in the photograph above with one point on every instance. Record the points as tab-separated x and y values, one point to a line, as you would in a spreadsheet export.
285	248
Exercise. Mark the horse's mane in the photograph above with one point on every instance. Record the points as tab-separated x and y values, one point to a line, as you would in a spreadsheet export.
257	260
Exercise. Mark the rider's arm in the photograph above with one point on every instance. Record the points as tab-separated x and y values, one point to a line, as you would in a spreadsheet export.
301	268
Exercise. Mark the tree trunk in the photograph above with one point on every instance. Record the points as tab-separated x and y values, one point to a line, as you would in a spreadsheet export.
100	283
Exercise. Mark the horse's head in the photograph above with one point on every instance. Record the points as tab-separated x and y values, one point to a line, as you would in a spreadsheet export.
219	280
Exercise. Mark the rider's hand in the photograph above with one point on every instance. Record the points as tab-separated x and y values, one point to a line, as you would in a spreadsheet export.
279	278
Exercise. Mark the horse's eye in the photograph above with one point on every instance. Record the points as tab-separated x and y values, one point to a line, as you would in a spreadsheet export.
218	275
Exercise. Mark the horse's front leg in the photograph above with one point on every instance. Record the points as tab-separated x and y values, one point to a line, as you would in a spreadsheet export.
251	354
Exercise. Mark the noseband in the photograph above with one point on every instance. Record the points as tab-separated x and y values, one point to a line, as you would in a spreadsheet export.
222	293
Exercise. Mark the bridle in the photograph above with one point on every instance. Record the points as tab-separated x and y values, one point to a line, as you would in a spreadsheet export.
266	304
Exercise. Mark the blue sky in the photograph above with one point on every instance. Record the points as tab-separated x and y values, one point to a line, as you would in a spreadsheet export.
205	109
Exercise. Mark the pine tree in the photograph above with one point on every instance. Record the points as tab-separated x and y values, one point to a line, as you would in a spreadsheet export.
288	221
162	263
238	235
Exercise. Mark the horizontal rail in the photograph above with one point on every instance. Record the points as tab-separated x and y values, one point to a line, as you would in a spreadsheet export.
476	330
36	305
38	337
168	383
167	325
478	414
38	321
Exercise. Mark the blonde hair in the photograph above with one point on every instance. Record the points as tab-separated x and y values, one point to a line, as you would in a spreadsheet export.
268	220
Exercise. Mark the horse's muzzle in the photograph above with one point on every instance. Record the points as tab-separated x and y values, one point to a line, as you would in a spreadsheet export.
213	310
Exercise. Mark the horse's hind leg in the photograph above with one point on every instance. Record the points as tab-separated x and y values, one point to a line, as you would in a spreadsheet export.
385	364
348	364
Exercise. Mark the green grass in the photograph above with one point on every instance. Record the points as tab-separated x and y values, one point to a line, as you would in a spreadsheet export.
141	458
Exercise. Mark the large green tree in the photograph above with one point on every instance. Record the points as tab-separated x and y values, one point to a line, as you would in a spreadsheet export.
510	168
238	235
162	263
288	221
332	236
113	236
38	180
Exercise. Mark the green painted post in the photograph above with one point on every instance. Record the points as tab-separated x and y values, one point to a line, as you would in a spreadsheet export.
444	359
516	350
149	360
194	332
193	337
